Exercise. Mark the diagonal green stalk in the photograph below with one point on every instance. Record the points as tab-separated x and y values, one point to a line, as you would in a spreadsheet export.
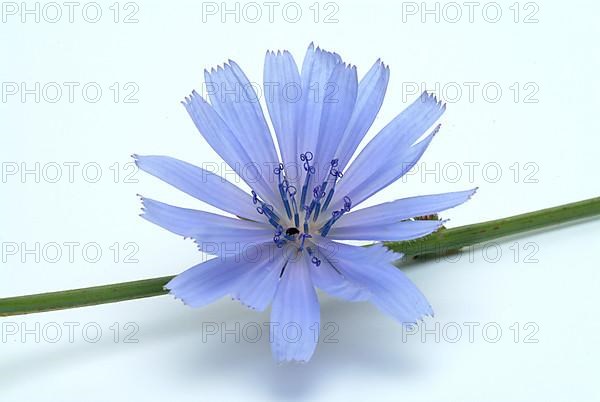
442	241
446	240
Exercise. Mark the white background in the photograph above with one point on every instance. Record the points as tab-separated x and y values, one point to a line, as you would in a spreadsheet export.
551	282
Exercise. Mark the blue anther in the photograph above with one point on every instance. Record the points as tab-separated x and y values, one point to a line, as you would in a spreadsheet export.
274	223
304	190
326	227
278	170
328	199
306	157
267	210
336	174
310	170
335	215
286	203
283	185
303	237
291	190
307	212
347	203
317	211
318	193
333	169
315	260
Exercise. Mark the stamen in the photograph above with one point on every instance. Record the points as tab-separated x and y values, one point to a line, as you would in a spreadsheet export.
277	237
291	190
335	215
315	260
310	170
347	204
307	212
283	184
318	194
303	237
265	209
336	174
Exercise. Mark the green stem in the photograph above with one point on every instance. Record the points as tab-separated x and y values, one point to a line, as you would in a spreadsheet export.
440	242
446	240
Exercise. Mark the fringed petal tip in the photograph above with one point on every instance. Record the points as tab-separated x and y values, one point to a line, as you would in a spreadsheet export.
142	200
431	98
172	293
248	306
388	254
187	101
219	68
410	324
277	52
173	290
320	50
138	160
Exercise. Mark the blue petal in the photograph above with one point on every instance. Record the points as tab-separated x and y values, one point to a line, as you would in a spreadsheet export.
258	286
371	91
214	234
380	158
400	231
295	316
404	208
233	97
283	92
199	183
363	184
327	277
316	69
211	280
220	137
405	128
391	291
336	114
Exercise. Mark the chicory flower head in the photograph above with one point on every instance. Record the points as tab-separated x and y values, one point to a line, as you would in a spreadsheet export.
281	244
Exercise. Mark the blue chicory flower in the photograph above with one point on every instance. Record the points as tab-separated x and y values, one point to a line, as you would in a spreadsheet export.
281	245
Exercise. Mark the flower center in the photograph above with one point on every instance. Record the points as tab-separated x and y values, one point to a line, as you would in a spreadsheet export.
292	231
300	213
